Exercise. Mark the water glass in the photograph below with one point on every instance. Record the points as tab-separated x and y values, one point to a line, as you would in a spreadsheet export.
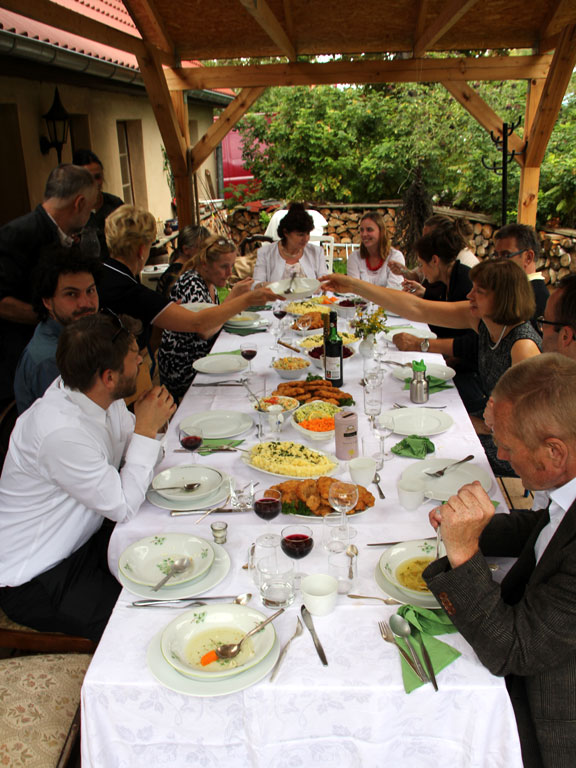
336	534
372	398
371	446
344	569
265	547
276	577
243	500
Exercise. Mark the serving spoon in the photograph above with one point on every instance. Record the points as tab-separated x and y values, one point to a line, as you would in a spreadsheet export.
178	566
230	650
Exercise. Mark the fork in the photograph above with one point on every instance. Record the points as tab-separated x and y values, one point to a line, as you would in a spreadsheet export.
297	632
388	636
440	472
398	405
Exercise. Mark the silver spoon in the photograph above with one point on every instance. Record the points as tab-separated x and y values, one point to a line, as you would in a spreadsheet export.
178	566
230	650
352	552
185	487
376	482
387	600
400	627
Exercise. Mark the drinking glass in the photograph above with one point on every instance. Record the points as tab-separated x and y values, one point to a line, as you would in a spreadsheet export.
372	399
192	442
268	506
343	497
276	577
344	569
248	350
383	431
297	542
279	312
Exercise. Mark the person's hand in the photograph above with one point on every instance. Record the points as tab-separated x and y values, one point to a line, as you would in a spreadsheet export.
412	286
489	414
239	288
261	295
396	268
407	342
336	282
462	520
152	410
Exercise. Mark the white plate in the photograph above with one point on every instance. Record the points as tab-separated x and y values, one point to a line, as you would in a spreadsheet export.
210	579
244	320
246	460
189	686
423	601
439	371
145	561
182	630
421	333
302	288
216	364
397	554
442	488
198	306
217	424
416	421
210	480
189	505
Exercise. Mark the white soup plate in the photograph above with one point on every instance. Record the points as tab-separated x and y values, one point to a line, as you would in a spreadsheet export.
393	558
216	364
416	421
210	480
146	561
302	288
217	424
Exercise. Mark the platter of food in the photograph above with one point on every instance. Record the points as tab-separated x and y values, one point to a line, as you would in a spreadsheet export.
307	499
314	388
290	367
302	307
315	420
316	323
288	403
317	340
288	459
317	355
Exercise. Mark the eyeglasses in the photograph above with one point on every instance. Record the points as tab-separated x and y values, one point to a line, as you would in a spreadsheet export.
507	254
116	319
540	323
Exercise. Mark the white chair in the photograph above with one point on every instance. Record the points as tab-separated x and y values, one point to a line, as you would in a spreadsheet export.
327	242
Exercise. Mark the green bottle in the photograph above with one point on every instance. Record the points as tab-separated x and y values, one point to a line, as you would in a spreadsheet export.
333	369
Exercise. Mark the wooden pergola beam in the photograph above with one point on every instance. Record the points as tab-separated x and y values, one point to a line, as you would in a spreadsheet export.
420	20
150	24
449	16
261	13
561	68
227	120
371	71
483	114
57	16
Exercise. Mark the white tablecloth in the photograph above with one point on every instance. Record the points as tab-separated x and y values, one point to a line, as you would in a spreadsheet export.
353	712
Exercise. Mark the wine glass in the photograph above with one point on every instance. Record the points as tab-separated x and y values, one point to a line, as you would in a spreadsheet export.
279	312
248	351
297	542
343	497
372	398
384	429
268	506
191	442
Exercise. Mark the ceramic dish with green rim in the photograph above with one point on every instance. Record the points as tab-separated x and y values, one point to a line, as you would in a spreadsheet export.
402	565
193	634
244	320
147	560
166	482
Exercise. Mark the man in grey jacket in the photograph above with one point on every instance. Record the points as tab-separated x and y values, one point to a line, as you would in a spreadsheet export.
525	628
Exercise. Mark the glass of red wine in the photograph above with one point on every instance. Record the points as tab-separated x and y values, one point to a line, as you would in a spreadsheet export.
297	542
191	442
268	506
279	312
248	351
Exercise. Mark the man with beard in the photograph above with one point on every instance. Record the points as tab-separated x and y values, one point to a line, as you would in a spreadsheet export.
65	292
77	457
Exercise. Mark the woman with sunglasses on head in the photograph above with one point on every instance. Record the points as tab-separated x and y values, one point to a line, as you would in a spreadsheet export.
190	241
203	274
292	254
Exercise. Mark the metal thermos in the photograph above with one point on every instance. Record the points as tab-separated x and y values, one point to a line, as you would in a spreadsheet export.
419	383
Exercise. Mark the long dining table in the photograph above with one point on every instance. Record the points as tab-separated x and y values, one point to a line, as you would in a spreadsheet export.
353	712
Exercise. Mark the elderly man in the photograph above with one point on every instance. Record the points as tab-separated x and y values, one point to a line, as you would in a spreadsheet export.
76	457
525	628
69	197
65	292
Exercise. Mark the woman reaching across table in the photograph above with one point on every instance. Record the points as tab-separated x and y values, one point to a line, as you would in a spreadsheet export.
292	254
372	261
499	309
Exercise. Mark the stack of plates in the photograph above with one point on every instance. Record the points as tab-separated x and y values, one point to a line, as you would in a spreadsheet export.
392	558
174	654
143	564
244	320
213	490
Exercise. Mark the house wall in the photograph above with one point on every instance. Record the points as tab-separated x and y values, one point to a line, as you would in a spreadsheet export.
102	109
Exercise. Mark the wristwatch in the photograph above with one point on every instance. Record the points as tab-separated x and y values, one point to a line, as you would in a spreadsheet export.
424	345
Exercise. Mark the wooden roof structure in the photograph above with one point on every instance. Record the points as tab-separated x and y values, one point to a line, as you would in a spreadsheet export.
395	36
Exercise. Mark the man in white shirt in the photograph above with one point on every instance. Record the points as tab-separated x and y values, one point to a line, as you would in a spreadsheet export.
77	457
525	628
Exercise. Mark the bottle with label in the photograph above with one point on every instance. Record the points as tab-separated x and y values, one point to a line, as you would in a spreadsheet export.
333	354
346	435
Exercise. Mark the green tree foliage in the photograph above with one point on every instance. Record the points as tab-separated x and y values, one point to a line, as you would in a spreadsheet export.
363	144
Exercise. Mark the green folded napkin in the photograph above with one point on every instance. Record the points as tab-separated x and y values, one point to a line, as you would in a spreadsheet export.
245	331
208	445
434	384
414	447
425	624
230	352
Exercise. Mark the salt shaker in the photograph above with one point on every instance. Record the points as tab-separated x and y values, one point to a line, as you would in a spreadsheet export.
346	434
419	383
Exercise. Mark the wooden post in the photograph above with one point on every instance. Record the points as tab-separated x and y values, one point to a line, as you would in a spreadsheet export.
528	195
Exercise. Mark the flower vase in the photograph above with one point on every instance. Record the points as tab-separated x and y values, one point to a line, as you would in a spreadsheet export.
367	346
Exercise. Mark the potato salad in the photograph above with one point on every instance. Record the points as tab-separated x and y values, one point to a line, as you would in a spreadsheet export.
292	459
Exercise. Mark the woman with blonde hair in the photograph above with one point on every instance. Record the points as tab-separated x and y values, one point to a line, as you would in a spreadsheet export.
208	270
371	262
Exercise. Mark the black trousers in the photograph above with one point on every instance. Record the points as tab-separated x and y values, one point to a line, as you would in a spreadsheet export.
76	597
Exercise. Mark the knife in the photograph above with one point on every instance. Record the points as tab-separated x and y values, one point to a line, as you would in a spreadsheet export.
219	510
180	600
390	543
307	618
428	664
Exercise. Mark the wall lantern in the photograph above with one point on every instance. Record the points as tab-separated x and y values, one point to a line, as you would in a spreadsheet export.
58	124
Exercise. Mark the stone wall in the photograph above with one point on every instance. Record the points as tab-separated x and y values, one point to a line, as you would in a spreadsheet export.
558	246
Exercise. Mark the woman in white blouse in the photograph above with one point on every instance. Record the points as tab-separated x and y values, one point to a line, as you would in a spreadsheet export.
371	262
292	254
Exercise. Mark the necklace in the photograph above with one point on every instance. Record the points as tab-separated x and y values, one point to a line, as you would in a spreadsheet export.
287	256
503	331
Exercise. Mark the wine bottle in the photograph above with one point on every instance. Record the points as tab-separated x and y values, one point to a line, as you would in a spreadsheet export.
333	353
